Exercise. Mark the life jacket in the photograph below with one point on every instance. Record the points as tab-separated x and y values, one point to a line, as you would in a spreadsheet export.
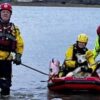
78	51
7	38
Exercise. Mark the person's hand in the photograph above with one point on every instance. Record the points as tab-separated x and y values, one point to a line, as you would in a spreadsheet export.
17	59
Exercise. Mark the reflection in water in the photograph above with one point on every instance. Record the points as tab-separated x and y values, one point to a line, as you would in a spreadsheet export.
72	96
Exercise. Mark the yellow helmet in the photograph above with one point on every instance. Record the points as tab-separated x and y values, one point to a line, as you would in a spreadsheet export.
82	38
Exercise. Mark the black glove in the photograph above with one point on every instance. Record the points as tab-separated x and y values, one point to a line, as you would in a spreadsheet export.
84	69
17	59
89	70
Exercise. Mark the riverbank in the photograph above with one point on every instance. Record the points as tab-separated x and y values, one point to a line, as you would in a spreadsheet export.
52	4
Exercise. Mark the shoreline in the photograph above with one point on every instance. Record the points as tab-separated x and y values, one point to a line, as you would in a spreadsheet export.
52	4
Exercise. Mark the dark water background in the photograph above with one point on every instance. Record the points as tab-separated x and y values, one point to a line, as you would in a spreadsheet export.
47	33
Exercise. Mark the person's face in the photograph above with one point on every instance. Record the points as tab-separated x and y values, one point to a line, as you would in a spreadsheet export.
5	15
81	44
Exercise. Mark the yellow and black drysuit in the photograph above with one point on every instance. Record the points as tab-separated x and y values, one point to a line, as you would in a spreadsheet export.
71	59
10	42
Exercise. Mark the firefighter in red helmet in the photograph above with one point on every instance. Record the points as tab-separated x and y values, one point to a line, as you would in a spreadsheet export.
11	43
5	7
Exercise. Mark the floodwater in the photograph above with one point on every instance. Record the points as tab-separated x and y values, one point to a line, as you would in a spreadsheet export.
47	33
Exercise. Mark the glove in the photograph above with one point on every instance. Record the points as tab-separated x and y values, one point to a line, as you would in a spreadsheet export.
84	69
89	70
17	59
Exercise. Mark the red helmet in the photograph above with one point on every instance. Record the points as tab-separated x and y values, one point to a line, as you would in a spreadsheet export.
6	6
98	30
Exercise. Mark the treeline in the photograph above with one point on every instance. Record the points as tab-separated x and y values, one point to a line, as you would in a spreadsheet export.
61	1
76	1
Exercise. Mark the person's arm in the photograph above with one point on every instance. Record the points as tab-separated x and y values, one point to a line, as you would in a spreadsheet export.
68	58
91	60
68	62
19	46
96	49
20	42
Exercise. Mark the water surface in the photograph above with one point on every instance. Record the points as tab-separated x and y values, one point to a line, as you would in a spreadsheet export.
47	33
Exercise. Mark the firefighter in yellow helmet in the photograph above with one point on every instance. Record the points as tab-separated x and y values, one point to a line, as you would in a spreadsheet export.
78	55
10	42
